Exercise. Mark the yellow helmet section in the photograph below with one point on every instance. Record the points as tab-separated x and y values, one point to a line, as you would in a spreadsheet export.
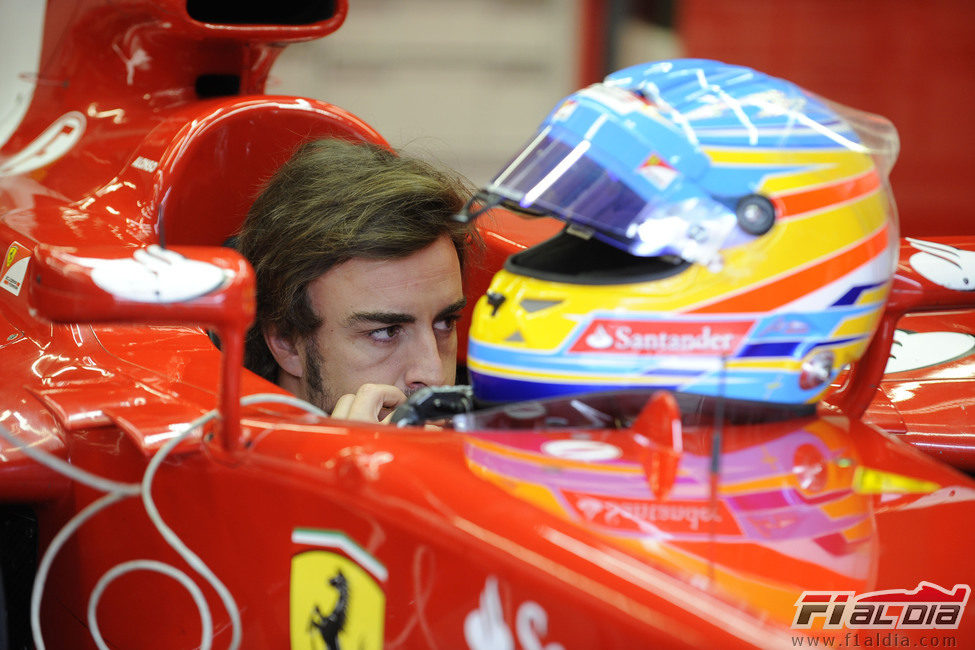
727	233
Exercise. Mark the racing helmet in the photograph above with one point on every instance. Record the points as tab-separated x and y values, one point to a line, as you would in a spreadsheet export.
727	233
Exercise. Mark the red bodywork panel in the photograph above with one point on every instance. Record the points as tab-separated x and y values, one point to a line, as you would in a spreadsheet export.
267	525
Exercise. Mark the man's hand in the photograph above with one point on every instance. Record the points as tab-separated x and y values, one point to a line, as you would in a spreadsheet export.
371	403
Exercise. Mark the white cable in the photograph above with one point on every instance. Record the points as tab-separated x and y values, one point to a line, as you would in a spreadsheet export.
206	620
173	539
116	491
45	566
258	398
167	533
75	473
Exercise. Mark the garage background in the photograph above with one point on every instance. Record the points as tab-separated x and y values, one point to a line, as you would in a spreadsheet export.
466	82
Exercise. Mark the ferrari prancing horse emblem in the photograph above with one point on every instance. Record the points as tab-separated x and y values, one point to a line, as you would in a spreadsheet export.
336	604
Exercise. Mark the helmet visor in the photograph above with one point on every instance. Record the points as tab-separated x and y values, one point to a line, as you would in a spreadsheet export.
554	177
572	183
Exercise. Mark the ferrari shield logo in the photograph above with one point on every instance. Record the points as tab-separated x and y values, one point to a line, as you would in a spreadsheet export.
335	603
15	262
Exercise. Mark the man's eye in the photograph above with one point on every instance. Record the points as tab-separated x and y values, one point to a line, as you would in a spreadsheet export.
447	324
385	334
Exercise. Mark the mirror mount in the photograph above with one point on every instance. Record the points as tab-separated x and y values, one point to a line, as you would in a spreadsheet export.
188	285
918	286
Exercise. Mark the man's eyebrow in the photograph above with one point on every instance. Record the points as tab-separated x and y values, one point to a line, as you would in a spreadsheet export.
396	318
452	309
381	317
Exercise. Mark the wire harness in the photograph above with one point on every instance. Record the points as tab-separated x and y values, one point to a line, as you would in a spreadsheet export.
115	492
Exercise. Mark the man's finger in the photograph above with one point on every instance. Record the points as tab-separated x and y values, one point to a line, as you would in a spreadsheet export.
371	403
342	406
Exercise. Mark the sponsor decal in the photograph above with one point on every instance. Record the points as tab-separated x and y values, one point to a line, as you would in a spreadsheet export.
335	601
154	274
485	627
944	265
785	326
656	170
926	607
15	262
915	350
620	100
642	515
721	338
563	112
584	450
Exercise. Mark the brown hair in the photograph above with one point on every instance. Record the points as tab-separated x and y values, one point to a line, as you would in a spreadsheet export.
331	202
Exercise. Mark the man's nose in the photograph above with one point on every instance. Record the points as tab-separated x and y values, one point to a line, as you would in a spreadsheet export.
425	365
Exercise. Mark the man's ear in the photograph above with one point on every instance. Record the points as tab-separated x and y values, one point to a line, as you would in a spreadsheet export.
285	351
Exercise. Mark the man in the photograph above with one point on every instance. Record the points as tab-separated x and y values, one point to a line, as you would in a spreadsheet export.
358	263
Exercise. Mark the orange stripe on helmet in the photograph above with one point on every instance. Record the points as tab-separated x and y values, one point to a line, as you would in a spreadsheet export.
800	281
847	189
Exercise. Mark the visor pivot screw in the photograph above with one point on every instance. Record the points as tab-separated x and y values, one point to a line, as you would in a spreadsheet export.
756	214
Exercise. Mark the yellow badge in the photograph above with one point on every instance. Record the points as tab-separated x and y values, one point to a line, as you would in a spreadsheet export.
15	262
335	603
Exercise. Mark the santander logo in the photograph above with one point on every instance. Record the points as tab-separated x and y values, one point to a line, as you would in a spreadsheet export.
662	337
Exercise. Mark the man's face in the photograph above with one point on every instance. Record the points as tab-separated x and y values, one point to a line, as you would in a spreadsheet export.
384	322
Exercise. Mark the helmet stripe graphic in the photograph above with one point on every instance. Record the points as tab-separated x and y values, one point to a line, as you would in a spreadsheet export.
845	189
801	281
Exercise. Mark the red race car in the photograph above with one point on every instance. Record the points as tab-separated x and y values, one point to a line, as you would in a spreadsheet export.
157	495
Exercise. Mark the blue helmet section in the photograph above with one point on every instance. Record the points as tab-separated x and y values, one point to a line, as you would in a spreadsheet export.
627	151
